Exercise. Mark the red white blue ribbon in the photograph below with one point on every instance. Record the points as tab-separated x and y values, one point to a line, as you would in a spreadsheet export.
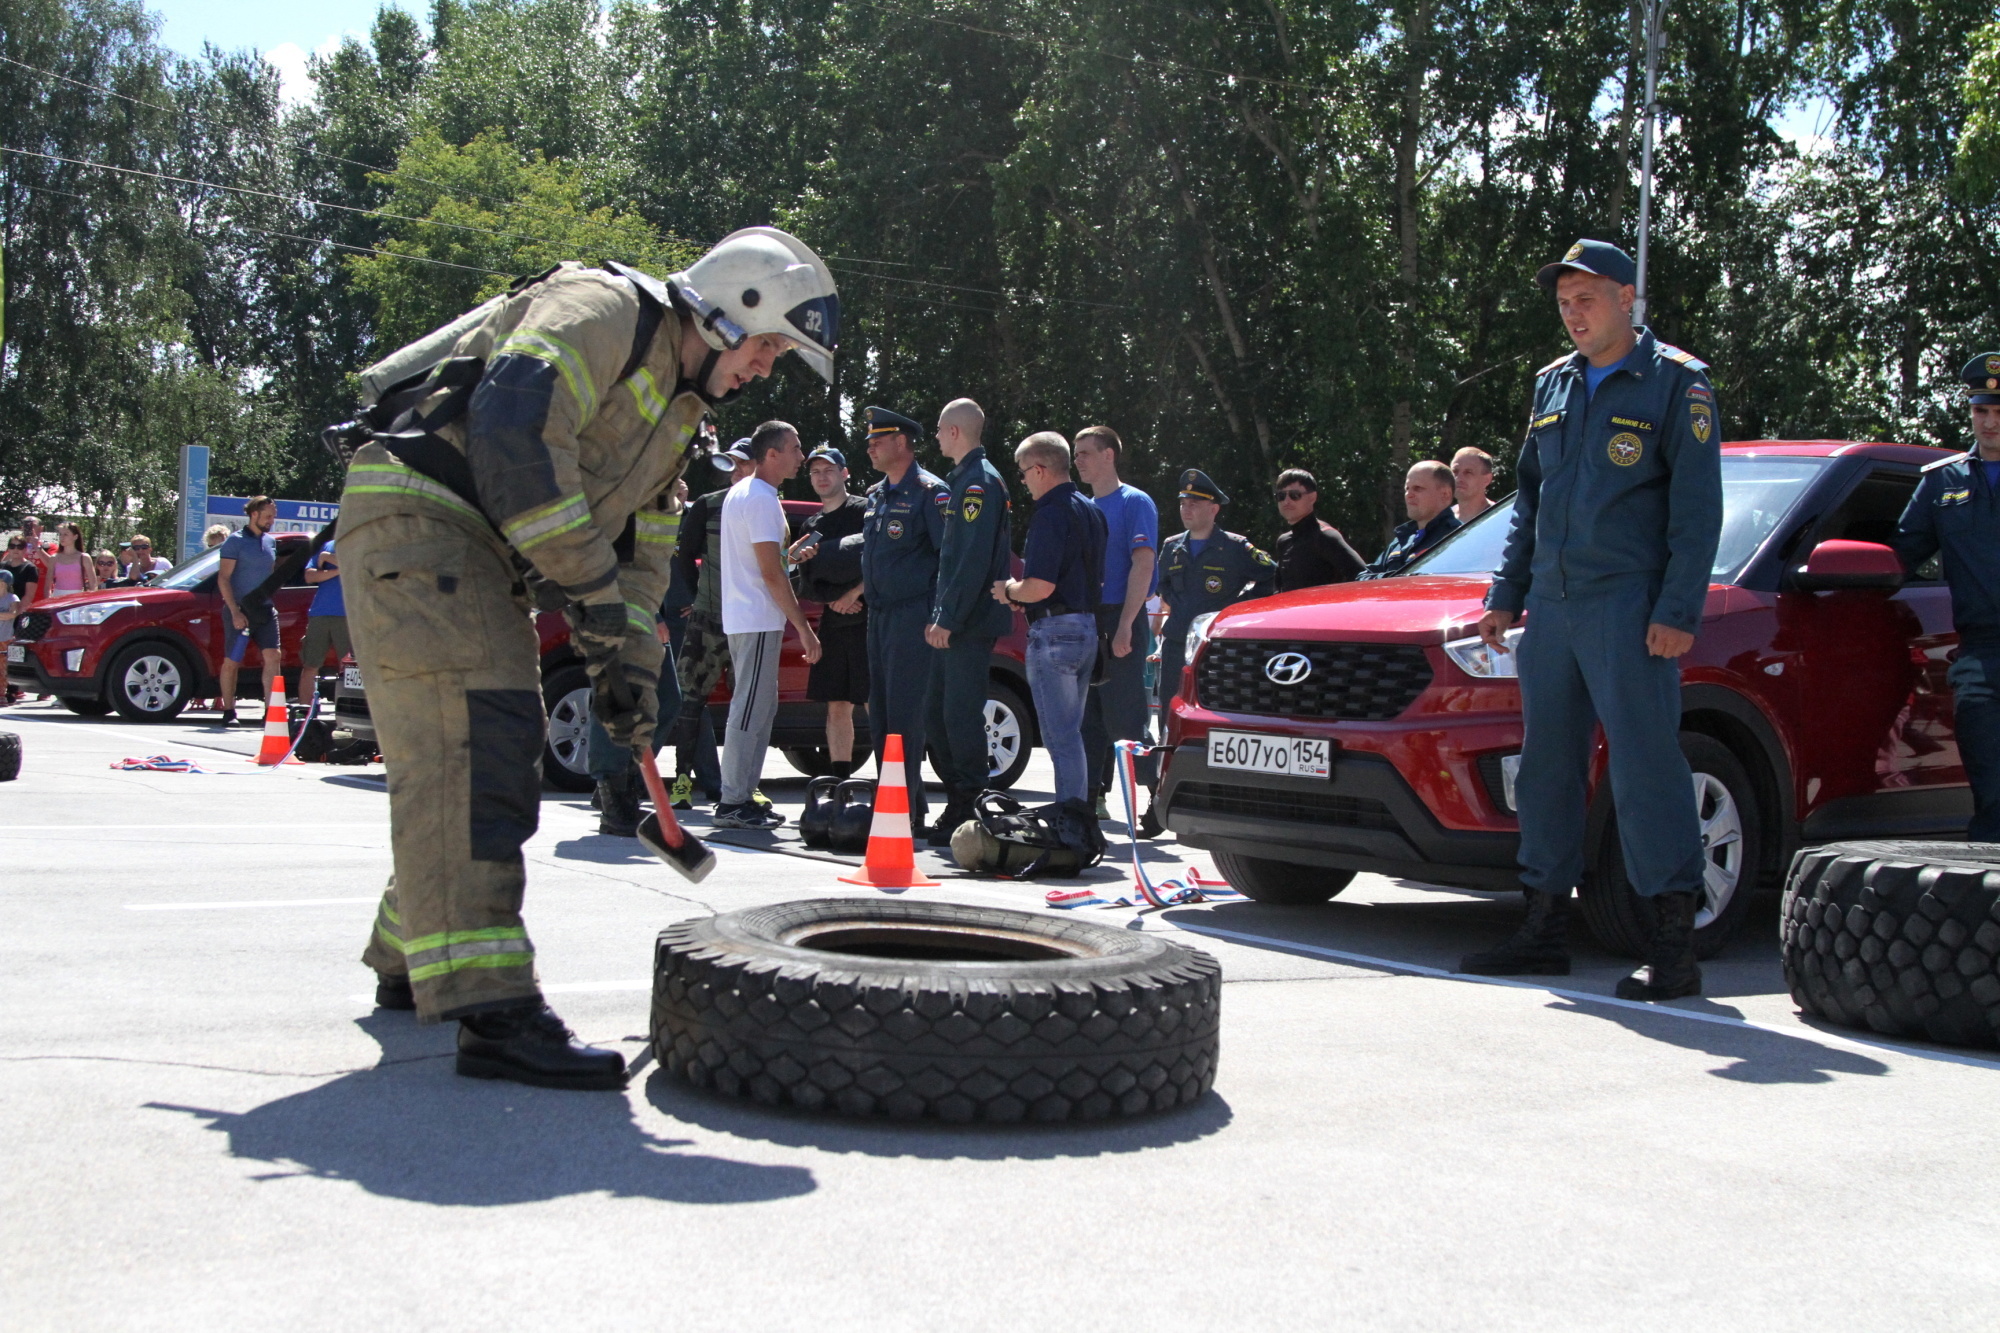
1192	888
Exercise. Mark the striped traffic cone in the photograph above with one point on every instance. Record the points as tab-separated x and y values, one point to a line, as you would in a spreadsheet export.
892	856
277	746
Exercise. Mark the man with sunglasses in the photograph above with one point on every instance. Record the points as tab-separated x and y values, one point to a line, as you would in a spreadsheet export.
1310	550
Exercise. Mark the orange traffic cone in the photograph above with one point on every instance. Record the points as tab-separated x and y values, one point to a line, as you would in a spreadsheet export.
277	746
892	855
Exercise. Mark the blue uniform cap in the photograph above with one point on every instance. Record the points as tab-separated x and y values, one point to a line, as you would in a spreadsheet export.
881	421
830	454
1982	378
738	452
1195	485
1598	257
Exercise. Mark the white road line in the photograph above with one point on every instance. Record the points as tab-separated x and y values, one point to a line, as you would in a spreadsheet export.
258	902
1590	997
89	830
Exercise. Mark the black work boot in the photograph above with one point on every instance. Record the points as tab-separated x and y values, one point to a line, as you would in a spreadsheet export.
961	806
1539	948
393	992
529	1044
1670	971
618	805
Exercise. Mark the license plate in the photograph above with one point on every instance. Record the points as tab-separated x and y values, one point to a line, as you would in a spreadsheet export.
350	678
1290	756
17	652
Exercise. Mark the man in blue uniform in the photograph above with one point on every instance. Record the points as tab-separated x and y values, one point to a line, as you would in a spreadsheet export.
899	541
1613	537
1429	492
965	620
1956	510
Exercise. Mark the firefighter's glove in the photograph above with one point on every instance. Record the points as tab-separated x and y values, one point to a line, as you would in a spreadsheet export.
599	629
626	701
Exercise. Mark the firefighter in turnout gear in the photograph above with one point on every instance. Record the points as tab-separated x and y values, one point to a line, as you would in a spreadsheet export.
538	452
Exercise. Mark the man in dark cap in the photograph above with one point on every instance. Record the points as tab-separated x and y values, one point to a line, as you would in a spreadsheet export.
830	574
900	538
965	620
1429	491
1202	570
1956	510
1613	535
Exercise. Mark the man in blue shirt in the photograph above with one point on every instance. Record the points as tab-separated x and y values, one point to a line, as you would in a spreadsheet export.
248	557
1613	539
1062	577
326	618
1956	510
1117	710
1429	491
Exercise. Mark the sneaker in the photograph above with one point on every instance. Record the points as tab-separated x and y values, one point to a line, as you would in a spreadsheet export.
1103	807
683	792
759	799
746	815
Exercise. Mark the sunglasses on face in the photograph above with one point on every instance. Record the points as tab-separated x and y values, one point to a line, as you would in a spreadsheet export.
1294	494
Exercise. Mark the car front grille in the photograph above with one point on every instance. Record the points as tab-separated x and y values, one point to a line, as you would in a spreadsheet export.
1355	682
1295	806
32	625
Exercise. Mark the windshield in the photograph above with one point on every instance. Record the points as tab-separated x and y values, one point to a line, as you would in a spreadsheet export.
190	572
1757	493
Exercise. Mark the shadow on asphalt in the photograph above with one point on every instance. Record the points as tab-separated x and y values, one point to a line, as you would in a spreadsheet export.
410	1128
1758	1054
930	1140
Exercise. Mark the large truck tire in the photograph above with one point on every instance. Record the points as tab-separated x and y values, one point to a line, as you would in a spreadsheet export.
1899	937
935	1010
10	756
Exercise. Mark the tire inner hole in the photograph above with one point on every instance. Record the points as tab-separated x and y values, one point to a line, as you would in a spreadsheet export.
933	944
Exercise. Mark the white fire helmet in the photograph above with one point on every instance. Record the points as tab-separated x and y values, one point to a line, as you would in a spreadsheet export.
762	280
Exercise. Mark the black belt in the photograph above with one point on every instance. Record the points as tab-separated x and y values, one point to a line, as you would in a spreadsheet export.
1047	609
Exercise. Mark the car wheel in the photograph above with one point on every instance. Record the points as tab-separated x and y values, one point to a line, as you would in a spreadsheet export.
1281	883
565	758
1009	738
815	762
1899	937
91	707
150	682
946	1011
1732	845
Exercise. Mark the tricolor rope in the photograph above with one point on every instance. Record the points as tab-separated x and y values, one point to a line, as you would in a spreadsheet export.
1194	888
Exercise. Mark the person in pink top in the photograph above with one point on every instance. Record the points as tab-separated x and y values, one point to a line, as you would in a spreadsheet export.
71	568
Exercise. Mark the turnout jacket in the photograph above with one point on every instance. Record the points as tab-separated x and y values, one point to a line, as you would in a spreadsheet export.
974	552
1622	485
1956	512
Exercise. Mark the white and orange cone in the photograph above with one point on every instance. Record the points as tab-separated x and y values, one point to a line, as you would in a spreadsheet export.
277	746
892	854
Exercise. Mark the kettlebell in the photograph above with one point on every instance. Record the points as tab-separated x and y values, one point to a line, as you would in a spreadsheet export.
816	820
854	812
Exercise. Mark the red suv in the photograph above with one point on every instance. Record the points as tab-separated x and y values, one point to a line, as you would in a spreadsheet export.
1363	726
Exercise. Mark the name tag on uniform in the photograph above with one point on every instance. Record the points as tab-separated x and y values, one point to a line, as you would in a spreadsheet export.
1633	423
1543	422
1957	497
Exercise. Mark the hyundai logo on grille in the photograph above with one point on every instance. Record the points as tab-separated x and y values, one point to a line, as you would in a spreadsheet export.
1288	668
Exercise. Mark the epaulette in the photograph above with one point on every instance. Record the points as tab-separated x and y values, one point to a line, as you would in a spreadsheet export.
1556	364
1945	462
1688	359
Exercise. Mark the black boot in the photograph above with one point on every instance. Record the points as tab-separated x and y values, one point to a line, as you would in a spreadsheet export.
618	805
961	806
1670	971
529	1044
1149	822
393	992
1539	948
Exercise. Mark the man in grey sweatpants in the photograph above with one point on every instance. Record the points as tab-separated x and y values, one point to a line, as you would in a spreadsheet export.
757	603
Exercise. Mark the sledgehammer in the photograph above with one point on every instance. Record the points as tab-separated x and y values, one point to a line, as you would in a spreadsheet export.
662	833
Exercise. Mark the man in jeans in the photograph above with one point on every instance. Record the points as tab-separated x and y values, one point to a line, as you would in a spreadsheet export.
757	601
1062	575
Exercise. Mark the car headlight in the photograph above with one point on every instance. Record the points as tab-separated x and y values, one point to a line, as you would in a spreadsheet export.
1197	634
1476	658
94	614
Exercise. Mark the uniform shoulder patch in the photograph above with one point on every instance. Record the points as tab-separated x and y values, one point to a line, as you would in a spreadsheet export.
1688	359
1944	462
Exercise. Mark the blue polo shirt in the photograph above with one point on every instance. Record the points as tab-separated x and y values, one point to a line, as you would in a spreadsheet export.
255	558
328	601
1066	547
1132	523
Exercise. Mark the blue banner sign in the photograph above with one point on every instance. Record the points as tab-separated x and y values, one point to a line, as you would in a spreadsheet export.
194	499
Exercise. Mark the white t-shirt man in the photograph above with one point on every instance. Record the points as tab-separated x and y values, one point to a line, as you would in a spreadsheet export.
751	513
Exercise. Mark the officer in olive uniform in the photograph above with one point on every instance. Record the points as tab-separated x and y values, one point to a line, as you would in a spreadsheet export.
1956	510
965	620
1226	570
900	539
1614	533
540	446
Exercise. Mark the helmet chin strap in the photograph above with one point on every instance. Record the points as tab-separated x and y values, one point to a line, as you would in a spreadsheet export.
699	382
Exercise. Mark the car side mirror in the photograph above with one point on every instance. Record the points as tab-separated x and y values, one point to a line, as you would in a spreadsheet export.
1843	564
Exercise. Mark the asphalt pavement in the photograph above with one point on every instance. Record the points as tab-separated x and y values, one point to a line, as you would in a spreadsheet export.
207	1124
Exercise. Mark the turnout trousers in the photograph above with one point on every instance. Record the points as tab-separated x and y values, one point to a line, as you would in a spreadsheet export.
899	685
449	658
955	713
1584	661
